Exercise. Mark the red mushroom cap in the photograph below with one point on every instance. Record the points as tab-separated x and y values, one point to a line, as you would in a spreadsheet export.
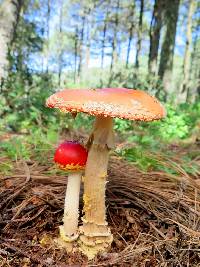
112	102
70	156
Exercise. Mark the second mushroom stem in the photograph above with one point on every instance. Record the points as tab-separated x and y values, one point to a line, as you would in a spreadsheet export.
71	207
95	232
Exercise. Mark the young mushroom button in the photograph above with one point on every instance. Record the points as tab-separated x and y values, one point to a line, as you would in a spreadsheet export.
105	104
71	156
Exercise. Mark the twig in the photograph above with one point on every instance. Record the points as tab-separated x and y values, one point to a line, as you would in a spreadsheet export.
12	196
24	220
27	172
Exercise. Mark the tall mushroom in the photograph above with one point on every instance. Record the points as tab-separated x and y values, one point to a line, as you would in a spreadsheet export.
71	156
104	104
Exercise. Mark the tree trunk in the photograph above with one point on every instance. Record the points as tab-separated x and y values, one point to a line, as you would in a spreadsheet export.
194	91
88	39
87	52
155	29
130	33
9	15
167	51
60	56
139	41
104	38
114	40
81	48
48	20
43	45
184	88
75	52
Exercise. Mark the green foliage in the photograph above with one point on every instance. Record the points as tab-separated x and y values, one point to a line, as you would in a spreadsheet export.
179	124
6	167
82	121
139	157
174	127
15	149
39	144
147	142
42	143
122	126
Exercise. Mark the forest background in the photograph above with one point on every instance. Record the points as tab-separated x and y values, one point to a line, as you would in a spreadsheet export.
151	45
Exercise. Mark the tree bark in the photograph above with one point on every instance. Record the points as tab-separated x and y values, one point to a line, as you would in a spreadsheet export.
184	88
87	51
130	33
104	38
155	29
88	39
114	40
194	91
48	24
9	15
167	51
75	52
60	56
139	41
81	48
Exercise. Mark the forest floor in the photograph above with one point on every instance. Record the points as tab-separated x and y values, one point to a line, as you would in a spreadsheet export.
154	216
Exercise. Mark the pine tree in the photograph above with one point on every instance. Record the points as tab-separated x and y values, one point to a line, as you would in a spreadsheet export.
139	34
194	79
184	88
60	56
130	30
48	29
105	28
155	31
167	50
9	16
114	56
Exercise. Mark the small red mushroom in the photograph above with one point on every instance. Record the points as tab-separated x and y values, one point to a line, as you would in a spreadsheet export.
71	156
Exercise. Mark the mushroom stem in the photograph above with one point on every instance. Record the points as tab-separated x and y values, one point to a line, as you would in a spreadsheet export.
69	229
96	235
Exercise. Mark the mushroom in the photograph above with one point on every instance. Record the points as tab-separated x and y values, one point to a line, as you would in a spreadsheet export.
104	104
71	156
